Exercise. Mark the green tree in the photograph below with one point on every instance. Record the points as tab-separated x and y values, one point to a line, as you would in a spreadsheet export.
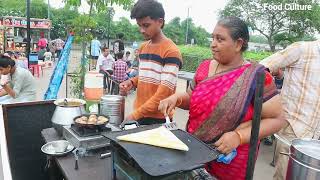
199	34
38	9
62	20
101	5
174	31
131	32
292	25
102	19
83	23
258	39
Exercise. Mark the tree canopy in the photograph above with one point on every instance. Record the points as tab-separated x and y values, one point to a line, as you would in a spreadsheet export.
280	26
68	17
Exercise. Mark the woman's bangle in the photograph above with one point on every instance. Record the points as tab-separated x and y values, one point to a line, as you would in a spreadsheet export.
240	136
178	104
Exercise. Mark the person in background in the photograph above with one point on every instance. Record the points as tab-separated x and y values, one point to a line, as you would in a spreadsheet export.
42	43
118	45
220	100
120	69
41	54
105	64
18	84
160	61
134	69
300	95
52	48
95	51
20	60
127	59
59	44
47	55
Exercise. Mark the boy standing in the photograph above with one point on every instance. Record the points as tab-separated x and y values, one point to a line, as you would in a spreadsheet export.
120	69
160	60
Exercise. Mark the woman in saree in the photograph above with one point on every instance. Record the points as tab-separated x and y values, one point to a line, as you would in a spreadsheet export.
220	99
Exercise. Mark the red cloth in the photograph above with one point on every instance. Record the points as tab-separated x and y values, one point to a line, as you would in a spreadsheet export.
42	43
201	107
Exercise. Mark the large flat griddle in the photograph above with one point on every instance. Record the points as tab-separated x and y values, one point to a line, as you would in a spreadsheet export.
157	161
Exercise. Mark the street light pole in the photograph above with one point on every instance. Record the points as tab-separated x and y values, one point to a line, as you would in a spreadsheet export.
109	20
49	38
187	31
28	32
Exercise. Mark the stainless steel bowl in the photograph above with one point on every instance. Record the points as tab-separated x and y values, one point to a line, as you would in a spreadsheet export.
57	148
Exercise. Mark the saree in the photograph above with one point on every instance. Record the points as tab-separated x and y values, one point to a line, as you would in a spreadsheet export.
219	104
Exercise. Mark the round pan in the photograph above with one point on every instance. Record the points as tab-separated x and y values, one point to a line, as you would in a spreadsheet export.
90	125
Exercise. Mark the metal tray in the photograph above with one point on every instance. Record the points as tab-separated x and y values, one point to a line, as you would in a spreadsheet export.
51	148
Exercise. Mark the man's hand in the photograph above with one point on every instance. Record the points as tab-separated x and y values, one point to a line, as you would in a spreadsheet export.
4	80
125	86
278	73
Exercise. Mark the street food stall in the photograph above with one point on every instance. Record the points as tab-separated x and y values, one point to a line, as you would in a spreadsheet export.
90	151
13	33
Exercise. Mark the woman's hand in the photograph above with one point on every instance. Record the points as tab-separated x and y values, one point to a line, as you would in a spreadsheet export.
227	142
168	104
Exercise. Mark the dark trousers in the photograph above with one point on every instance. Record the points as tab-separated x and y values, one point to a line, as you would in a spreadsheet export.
106	78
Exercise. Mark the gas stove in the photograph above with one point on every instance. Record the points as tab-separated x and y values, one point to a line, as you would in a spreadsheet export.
87	138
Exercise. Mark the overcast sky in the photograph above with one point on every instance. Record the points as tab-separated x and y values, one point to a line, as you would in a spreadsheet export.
203	12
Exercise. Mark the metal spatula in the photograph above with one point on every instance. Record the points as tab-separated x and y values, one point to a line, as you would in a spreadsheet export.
170	125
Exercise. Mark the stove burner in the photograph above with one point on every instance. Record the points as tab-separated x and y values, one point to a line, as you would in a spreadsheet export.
87	131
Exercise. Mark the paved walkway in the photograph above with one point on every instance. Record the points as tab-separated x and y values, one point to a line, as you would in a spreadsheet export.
263	170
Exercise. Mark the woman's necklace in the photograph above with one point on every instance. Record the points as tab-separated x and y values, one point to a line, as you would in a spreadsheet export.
215	71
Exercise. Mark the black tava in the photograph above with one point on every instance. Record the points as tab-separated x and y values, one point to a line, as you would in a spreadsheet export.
157	161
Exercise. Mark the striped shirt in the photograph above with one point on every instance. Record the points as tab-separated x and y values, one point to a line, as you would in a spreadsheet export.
158	69
301	88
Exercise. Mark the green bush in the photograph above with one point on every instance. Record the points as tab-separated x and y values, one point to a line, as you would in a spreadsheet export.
193	55
257	56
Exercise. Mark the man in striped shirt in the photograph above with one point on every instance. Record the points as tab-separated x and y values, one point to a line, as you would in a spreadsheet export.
300	94
160	60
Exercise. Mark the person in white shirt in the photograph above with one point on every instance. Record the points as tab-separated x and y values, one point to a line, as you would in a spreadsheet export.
104	65
47	55
18	84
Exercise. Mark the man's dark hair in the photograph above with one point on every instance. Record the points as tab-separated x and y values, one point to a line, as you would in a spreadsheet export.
5	61
145	8
238	29
104	48
119	55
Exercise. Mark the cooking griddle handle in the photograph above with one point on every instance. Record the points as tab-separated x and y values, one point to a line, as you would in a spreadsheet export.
129	122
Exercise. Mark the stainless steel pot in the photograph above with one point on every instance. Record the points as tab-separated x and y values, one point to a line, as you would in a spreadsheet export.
304	159
113	107
66	110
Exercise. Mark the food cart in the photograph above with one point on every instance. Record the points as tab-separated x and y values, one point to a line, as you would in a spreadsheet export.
13	33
